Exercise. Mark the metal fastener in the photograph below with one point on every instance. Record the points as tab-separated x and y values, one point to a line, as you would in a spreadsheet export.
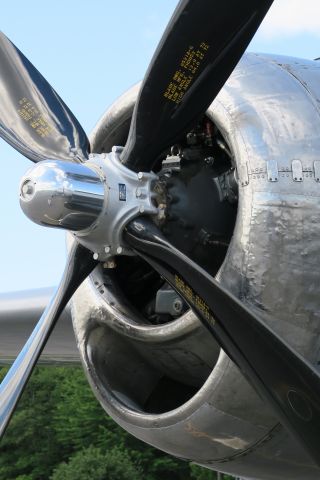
177	305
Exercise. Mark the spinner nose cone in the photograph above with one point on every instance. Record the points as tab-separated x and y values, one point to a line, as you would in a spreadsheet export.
62	194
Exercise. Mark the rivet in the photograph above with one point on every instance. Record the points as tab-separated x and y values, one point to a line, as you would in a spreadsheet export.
177	305
109	264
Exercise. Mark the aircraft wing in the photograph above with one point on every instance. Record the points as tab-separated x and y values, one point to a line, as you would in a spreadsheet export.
19	313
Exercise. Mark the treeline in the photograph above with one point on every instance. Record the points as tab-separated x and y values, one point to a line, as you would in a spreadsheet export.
60	432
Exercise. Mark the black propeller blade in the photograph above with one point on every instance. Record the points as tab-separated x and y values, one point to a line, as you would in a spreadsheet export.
79	265
289	383
33	118
202	44
37	123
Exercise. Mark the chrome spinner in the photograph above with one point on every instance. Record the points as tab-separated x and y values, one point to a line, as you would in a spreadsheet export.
94	200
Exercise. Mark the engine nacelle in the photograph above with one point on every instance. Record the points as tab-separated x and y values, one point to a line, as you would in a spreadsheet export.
170	385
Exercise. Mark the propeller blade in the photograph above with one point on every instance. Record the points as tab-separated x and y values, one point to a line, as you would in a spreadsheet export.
79	265
201	45
33	118
283	378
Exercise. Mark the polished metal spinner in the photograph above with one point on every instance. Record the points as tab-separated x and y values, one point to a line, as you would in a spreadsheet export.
94	200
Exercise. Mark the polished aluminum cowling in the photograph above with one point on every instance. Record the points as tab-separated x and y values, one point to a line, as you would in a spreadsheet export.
268	113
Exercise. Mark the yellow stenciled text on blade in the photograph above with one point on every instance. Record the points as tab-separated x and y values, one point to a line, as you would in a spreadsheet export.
193	298
31	114
185	73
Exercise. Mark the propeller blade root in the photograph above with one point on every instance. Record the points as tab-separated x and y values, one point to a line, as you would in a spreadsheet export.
33	118
79	265
200	47
283	378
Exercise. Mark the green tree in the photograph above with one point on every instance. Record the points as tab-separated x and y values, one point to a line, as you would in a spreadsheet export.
92	464
59	431
29	448
79	422
200	473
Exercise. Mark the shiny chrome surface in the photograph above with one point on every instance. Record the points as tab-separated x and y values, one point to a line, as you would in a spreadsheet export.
288	383
94	200
62	194
268	114
19	313
79	265
33	118
128	194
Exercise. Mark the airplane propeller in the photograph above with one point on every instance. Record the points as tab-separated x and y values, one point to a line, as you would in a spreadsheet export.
202	44
79	265
33	118
281	376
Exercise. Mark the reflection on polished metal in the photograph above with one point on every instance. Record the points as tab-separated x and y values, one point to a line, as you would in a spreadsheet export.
33	118
267	111
129	194
62	194
94	200
79	265
286	381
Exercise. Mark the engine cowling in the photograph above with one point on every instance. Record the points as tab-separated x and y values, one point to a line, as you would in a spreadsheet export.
170	384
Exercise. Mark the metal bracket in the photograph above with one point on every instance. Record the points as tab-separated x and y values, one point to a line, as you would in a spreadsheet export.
297	173
316	166
243	175
272	170
172	162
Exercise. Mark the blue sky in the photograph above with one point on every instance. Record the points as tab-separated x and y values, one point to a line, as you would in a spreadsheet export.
91	52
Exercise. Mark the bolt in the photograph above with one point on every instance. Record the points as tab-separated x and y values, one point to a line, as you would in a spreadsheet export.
110	264
140	176
141	209
117	149
209	161
27	189
96	256
107	249
119	250
177	305
192	138
138	192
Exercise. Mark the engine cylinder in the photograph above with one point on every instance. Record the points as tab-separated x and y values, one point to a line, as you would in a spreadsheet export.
268	116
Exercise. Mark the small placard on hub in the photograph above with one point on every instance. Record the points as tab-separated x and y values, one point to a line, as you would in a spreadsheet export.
122	192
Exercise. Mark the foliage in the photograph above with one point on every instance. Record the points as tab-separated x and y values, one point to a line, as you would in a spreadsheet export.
29	449
92	464
59	431
200	473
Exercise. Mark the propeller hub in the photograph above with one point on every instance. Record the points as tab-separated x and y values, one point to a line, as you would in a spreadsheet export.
94	200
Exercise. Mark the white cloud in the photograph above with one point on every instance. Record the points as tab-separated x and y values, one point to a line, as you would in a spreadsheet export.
291	17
